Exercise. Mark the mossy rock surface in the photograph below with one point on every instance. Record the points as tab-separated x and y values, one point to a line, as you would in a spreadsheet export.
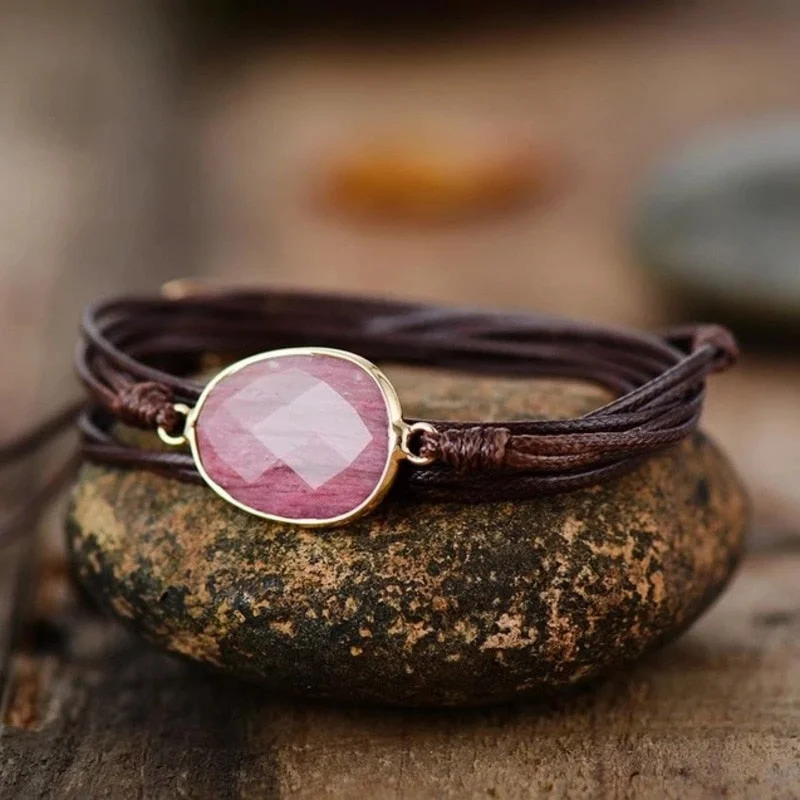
420	604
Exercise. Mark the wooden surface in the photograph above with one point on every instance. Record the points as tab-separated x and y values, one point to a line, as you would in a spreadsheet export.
103	195
713	715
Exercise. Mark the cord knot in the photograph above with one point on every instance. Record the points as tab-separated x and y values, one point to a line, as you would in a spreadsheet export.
467	449
721	339
147	405
691	338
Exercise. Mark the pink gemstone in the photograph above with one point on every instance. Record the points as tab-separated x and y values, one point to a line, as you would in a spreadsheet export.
296	436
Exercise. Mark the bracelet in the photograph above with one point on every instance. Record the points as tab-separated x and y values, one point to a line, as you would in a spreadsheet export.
305	428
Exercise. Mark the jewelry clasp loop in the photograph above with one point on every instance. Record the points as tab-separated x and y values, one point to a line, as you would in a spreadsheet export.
168	438
406	434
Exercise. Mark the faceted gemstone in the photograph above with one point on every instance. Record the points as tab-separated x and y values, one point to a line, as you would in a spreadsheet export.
296	436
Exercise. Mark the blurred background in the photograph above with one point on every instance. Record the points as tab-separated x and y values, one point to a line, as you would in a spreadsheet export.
635	163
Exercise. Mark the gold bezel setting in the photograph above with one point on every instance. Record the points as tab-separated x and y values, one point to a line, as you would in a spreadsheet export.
398	434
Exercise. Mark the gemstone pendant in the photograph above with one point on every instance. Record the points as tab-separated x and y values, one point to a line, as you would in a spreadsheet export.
310	436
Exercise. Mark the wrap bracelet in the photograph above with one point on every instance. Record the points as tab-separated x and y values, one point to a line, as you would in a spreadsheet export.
301	426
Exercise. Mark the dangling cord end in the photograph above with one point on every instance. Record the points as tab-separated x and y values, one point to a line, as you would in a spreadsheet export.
26	514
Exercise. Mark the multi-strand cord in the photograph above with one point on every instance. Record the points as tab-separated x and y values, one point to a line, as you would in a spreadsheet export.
140	356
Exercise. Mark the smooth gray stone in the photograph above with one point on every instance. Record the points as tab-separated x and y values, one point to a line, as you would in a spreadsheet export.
721	220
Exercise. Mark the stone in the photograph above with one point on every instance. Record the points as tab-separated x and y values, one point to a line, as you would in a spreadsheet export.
296	436
421	604
718	224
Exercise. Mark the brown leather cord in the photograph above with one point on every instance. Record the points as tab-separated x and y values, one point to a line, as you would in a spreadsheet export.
138	355
25	515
